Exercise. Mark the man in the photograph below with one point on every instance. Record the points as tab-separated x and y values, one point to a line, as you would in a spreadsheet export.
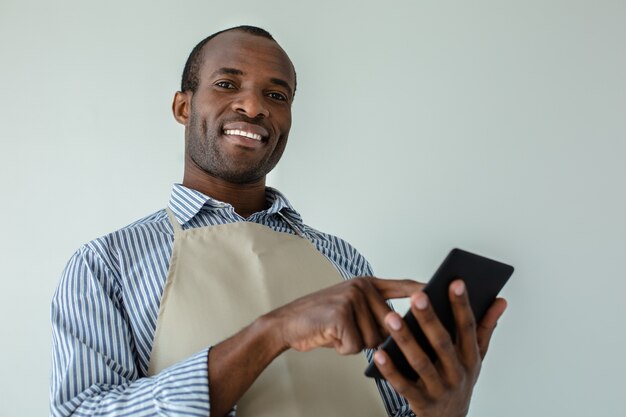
226	301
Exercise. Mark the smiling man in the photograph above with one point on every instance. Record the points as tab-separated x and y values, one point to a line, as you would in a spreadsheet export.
226	301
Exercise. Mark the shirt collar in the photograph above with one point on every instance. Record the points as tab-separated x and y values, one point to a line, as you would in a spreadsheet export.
186	203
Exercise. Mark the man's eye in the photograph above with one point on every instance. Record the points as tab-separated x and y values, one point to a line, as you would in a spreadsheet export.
277	96
225	84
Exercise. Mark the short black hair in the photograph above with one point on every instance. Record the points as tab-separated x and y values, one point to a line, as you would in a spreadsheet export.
190	78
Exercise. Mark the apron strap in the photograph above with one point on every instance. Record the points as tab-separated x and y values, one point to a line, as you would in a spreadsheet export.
292	225
175	225
178	229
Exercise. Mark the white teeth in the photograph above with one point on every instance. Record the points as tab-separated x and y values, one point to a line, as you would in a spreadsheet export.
243	133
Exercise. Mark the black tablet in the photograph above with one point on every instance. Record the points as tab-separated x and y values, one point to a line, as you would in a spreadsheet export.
483	277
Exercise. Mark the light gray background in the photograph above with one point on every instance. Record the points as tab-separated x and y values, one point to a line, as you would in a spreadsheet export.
496	126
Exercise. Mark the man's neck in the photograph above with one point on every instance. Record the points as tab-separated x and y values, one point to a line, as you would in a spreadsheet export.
246	199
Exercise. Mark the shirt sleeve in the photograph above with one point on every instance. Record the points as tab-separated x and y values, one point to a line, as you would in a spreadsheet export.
94	366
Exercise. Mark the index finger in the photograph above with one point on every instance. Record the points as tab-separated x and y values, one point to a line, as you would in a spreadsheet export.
396	288
488	324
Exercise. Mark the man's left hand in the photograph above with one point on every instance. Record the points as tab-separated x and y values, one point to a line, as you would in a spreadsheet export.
444	388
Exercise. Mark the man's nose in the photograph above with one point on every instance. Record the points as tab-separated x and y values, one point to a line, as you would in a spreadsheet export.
251	104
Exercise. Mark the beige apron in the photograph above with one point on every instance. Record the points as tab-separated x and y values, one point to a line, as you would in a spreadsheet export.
240	271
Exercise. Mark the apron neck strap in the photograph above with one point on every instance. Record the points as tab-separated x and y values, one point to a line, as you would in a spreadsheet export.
178	229
291	224
175	225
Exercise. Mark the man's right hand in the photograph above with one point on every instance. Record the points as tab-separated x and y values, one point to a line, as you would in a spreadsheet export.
347	317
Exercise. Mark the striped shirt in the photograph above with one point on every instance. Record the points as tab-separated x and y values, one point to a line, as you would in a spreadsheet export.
105	308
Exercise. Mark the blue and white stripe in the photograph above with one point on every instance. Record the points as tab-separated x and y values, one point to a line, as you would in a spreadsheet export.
105	309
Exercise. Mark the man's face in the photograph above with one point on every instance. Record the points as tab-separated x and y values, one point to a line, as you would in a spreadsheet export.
240	114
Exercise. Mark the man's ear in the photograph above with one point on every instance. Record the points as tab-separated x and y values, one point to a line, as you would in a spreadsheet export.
181	106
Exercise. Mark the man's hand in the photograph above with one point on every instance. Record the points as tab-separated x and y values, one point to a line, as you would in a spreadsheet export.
348	316
444	388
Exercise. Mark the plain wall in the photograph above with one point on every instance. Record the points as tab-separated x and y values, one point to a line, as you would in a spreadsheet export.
495	126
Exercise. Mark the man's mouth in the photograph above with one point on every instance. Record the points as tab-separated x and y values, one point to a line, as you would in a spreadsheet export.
246	130
243	133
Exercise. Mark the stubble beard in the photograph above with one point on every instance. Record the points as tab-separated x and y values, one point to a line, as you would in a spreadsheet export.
204	151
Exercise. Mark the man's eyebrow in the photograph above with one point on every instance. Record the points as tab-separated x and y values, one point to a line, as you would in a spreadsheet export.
282	83
226	70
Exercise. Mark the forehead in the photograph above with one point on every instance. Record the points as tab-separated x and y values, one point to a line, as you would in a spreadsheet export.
253	55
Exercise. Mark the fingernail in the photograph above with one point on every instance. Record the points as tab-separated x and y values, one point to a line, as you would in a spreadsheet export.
380	358
421	301
394	322
459	287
